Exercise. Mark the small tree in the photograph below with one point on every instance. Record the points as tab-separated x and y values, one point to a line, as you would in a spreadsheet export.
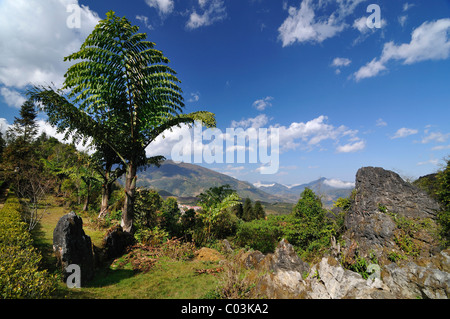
218	200
258	211
248	210
170	214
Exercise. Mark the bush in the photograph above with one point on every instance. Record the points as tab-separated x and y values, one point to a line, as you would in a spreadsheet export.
20	276
260	234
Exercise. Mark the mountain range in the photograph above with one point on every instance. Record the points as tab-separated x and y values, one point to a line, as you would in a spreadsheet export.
189	180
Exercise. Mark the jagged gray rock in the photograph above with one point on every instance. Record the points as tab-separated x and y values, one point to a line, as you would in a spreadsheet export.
72	246
377	188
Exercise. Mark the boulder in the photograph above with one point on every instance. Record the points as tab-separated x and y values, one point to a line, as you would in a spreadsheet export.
116	242
431	280
72	246
378	192
376	186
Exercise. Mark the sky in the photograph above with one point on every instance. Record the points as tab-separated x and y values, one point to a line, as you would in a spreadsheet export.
343	83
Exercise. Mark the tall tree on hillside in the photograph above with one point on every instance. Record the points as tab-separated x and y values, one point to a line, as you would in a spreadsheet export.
248	210
258	211
25	126
121	93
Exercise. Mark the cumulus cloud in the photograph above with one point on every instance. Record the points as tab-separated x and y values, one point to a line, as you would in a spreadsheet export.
262	104
380	123
404	132
310	134
12	97
303	25
36	35
435	137
429	41
336	183
255	122
338	62
212	11
163	6
351	147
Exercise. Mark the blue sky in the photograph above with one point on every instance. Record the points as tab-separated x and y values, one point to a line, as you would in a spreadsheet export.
343	95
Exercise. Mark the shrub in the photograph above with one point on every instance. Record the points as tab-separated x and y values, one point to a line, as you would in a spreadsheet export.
20	276
262	235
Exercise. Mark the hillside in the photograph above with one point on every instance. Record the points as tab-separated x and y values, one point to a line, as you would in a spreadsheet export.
320	186
188	180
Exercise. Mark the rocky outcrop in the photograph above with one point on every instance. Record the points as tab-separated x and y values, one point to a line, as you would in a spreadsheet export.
116	242
72	246
377	193
286	276
390	222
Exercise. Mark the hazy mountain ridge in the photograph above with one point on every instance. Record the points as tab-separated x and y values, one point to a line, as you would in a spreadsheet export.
189	180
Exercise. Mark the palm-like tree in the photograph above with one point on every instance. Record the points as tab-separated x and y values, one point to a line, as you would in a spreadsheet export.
120	93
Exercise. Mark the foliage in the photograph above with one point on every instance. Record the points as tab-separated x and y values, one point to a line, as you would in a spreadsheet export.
443	194
260	234
343	203
147	206
214	202
170	215
122	93
20	276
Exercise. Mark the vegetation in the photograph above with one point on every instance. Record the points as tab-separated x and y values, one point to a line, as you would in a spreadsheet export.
20	272
120	97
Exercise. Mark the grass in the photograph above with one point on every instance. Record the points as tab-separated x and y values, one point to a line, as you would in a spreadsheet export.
168	278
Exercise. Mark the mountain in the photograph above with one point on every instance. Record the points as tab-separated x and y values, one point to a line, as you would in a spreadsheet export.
189	180
328	189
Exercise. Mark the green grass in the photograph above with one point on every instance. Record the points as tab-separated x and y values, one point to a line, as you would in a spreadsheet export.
167	279
173	279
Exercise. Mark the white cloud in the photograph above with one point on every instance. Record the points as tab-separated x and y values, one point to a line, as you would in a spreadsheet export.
3	126
351	147
163	6
404	132
338	183
259	184
12	97
144	20
35	37
369	70
310	134
381	122
407	6
435	137
213	11
429	162
441	147
402	19
338	62
262	104
195	97
256	122
429	41
302	24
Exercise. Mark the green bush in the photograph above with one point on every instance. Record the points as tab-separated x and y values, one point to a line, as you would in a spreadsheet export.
20	276
260	234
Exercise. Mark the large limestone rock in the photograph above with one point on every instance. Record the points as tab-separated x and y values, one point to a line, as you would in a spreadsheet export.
377	188
72	246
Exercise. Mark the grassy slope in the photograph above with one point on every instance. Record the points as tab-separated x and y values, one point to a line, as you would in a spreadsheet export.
167	279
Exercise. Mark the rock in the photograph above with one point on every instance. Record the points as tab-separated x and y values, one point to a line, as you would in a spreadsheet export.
116	242
72	246
378	191
285	271
329	280
414	281
376	186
